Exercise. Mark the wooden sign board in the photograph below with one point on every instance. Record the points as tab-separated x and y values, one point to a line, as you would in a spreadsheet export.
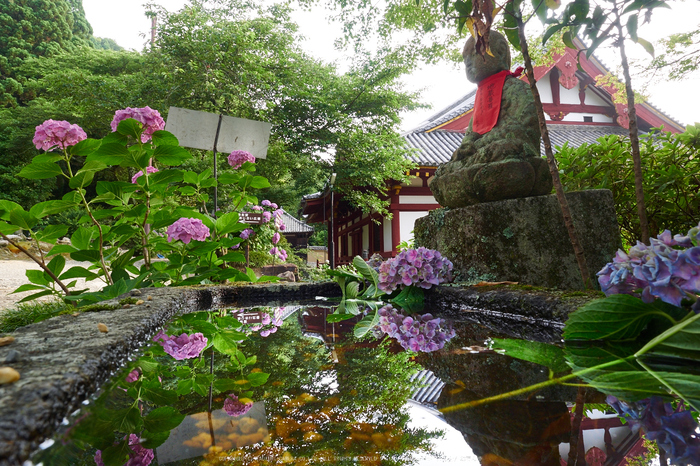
251	217
250	317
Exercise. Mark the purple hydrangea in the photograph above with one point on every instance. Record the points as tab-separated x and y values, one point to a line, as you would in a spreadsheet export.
139	173
233	407
421	267
138	456
187	229
239	157
52	133
183	347
275	238
245	234
266	203
675	432
269	324
266	216
149	118
279	253
419	333
668	269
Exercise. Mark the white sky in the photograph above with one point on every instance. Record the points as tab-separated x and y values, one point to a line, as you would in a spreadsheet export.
124	21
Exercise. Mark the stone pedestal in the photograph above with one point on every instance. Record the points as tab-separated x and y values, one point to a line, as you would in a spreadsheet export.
524	240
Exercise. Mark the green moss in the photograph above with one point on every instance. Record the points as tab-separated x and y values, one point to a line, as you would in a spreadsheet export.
129	300
508	232
99	307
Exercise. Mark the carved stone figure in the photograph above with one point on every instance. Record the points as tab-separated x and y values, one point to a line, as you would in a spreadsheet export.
499	157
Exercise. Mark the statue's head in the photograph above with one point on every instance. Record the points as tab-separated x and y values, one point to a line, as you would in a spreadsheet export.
479	67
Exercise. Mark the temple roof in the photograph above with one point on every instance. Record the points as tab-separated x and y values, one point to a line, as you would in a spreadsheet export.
293	225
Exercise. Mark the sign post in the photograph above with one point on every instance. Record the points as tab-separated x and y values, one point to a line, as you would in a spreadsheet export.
217	132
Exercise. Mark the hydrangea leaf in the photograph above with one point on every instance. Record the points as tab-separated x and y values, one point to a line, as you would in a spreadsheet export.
339	317
116	455
366	324
257	379
367	272
410	299
152	440
547	355
40	171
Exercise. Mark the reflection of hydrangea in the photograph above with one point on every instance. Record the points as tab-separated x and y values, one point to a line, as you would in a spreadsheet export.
52	133
664	270
139	173
138	456
239	157
183	347
675	432
418	333
187	229
133	376
149	118
233	407
422	267
269	324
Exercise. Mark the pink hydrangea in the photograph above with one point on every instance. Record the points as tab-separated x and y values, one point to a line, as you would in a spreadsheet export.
187	229
183	347
275	238
239	157
233	407
139	173
245	234
149	118
52	133
133	376
138	456
421	267
266	216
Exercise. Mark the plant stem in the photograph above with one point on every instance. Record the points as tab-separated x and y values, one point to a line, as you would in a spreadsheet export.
576	427
552	162
38	261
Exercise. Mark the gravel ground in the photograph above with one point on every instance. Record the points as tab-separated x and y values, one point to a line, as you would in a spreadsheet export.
12	275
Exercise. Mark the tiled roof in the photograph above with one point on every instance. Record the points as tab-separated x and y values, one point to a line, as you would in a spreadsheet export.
429	387
292	225
448	113
436	147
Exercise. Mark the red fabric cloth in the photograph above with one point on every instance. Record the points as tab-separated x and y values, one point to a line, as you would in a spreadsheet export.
487	105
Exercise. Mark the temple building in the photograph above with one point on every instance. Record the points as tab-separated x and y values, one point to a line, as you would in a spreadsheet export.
578	110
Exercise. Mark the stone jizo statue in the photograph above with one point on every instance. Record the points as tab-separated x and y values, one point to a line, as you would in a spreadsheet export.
499	157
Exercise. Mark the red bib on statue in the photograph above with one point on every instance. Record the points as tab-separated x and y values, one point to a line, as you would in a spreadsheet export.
487	105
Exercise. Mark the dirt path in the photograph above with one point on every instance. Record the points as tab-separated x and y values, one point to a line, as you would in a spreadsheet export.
12	275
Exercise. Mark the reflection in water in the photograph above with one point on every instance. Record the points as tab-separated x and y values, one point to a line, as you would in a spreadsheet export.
323	397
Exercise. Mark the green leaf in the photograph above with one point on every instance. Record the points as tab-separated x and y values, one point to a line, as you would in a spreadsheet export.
227	223
171	155
40	171
28	287
38	277
681	341
83	237
152	391
85	147
184	387
127	420
130	127
647	45
632	27
204	327
110	153
165	138
152	440
148	364
42	209
366	324
56	265
257	379
233	257
352	289
61	249
227	341
116	455
35	296
339	317
551	31
411	298
23	219
165	176
367	272
81	179
85	255
567	38
550	356
225	385
6	207
259	182
163	419
617	317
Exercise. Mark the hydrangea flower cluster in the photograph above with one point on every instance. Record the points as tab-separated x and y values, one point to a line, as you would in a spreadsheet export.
139	173
375	261
675	432
187	229
52	133
239	157
233	407
138	456
269	324
245	234
418	333
668	269
422	267
280	253
133	376
149	118
183	347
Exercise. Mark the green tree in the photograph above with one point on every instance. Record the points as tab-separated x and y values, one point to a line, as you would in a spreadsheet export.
33	28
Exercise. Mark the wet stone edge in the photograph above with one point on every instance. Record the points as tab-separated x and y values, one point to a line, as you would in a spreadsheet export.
64	360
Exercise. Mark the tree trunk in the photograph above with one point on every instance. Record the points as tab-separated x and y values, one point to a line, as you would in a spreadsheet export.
553	169
634	140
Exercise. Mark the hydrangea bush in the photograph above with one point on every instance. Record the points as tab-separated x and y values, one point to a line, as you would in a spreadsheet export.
667	269
260	237
272	319
419	333
420	267
129	223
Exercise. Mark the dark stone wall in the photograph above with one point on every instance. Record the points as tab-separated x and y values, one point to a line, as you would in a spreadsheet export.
524	240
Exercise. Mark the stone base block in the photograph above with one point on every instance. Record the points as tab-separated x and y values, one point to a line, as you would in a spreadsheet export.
524	240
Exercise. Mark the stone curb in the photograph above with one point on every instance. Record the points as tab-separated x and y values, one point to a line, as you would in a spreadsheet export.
64	360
